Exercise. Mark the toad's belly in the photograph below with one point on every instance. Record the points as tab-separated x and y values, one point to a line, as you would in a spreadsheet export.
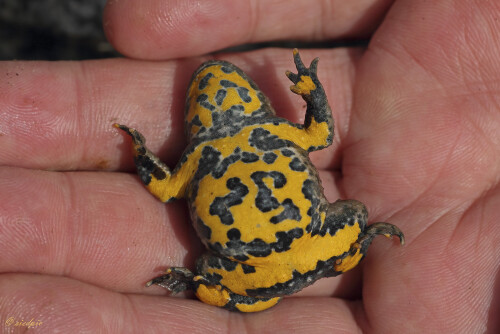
239	207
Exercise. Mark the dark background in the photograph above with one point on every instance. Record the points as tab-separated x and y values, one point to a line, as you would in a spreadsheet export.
52	30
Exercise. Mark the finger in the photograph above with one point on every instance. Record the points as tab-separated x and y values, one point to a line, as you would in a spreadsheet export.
63	305
157	29
59	116
101	228
425	112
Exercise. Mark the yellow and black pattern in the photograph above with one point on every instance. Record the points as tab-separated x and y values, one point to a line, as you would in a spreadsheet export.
255	199
220	94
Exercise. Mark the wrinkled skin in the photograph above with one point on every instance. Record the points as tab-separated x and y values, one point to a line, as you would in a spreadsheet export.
417	140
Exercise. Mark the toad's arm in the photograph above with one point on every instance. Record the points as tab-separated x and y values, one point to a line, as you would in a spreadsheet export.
317	131
166	185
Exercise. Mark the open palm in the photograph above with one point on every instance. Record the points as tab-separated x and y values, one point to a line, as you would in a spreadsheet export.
417	140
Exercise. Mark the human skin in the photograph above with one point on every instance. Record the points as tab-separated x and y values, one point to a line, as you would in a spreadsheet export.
417	140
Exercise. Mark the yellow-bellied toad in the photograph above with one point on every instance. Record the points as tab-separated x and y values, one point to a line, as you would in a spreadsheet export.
254	197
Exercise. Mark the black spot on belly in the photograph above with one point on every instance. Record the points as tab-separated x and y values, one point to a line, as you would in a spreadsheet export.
235	246
258	248
237	107
220	206
211	163
297	165
226	123
196	121
265	141
243	93
222	167
209	160
202	99
285	239
264	200
219	96
248	157
287	153
227	84
239	250
234	234
204	81
247	269
228	264
269	157
241	257
290	211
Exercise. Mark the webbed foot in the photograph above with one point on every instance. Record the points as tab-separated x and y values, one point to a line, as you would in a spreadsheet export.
359	249
386	229
175	279
306	80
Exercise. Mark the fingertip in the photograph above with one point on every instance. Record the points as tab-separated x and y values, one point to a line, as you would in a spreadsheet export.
167	29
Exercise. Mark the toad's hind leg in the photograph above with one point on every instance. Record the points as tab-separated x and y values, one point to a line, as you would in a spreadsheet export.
356	213
207	288
178	279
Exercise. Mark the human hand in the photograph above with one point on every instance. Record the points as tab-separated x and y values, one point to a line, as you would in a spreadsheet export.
417	140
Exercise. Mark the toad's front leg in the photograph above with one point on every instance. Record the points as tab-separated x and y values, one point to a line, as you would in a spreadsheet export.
157	177
318	121
317	131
